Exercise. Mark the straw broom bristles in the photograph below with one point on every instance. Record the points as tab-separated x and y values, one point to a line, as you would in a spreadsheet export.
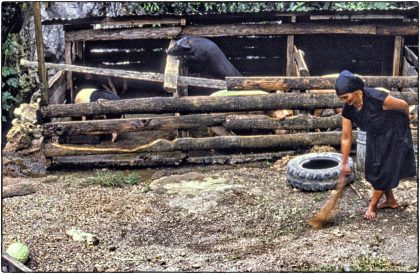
326	212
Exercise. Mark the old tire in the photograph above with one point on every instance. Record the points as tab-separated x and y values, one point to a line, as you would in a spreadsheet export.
317	171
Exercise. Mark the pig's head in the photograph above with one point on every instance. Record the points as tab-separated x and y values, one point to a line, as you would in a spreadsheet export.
181	49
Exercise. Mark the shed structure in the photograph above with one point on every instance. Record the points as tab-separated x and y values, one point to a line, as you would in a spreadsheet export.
287	52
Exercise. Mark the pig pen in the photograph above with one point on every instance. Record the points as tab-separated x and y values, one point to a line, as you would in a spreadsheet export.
166	123
210	217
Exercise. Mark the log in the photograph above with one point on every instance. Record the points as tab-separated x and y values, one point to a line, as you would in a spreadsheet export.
18	190
161	159
122	34
118	160
132	124
232	159
144	76
185	122
402	29
301	28
299	122
303	83
287	141
200	104
411	57
42	72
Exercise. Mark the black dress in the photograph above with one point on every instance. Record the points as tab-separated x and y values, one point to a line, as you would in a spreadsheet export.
389	147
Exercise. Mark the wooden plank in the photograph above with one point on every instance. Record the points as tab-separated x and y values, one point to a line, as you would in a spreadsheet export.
304	83
144	76
240	30
12	265
286	141
396	64
170	81
290	44
409	70
358	17
203	104
300	62
290	65
411	57
69	74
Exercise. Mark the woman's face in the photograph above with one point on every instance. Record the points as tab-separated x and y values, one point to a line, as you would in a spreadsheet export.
349	98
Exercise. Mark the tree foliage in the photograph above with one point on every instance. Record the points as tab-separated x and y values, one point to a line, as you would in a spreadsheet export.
17	84
192	8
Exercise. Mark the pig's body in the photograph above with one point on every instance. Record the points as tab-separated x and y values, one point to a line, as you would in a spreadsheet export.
203	56
89	95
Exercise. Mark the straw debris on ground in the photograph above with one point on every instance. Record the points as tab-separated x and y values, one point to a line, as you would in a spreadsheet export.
206	218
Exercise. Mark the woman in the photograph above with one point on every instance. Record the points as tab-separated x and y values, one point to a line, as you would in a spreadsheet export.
389	147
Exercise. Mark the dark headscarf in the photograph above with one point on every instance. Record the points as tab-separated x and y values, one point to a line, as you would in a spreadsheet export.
347	82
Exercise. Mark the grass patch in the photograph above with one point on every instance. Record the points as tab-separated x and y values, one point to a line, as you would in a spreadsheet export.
369	263
363	263
112	179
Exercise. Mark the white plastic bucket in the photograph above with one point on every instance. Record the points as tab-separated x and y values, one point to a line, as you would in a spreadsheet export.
361	151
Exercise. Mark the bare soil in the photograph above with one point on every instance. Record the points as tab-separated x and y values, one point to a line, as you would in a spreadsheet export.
206	219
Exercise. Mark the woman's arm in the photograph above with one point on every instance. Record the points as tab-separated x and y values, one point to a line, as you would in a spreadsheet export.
396	104
346	140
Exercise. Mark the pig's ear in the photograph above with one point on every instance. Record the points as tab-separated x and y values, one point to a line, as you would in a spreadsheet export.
184	43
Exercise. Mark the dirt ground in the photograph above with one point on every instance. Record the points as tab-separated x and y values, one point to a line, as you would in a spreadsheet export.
205	219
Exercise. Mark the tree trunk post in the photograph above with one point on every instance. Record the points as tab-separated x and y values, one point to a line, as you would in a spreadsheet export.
42	72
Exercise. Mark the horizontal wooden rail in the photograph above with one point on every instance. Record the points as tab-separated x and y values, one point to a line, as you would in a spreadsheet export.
286	141
315	82
185	122
132	124
161	159
202	104
127	74
402	29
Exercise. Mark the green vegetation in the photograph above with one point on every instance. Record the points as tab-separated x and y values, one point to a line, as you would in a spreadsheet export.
190	8
364	263
369	263
112	179
17	84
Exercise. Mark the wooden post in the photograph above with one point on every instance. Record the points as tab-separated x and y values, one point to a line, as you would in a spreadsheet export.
42	72
171	81
289	53
396	65
69	74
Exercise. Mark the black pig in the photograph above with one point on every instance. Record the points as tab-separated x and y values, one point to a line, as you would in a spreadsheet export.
203	56
89	95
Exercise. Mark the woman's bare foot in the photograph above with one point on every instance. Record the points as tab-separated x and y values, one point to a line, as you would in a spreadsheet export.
388	204
370	213
390	201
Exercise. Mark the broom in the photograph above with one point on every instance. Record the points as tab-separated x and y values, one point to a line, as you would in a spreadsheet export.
322	217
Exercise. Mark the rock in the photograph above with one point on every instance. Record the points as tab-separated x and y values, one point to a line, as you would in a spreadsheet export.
24	129
80	236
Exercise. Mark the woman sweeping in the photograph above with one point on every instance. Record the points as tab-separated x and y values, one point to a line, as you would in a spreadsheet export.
389	147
